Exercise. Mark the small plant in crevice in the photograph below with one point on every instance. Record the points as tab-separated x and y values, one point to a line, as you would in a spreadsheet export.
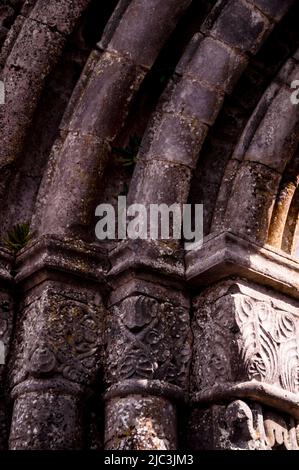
18	237
128	154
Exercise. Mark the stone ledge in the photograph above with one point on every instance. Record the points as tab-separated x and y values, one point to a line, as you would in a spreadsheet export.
63	255
226	254
264	393
146	255
56	386
132	284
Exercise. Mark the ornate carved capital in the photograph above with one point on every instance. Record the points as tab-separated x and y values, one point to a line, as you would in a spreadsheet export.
246	346
148	338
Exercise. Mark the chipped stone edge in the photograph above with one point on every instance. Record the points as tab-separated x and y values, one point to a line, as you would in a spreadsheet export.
147	388
264	393
227	254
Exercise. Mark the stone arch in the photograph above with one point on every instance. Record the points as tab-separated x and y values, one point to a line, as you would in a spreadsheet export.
260	158
191	104
133	319
29	54
94	120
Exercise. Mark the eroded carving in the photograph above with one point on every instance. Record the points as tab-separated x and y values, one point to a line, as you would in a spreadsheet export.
59	337
148	339
239	338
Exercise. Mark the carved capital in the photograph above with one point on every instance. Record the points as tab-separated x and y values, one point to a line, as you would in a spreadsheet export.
149	339
59	336
246	345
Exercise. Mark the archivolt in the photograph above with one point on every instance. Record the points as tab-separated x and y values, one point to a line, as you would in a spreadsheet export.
29	54
259	165
211	66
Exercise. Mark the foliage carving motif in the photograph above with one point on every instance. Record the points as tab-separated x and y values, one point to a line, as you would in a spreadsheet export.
268	343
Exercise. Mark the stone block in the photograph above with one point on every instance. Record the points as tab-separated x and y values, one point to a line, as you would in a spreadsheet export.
145	27
196	101
36	49
220	73
241	26
177	140
274	8
249	210
275	140
103	106
54	422
149	339
60	336
74	187
244	333
162	182
150	424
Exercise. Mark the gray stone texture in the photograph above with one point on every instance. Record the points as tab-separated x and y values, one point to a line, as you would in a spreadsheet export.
140	344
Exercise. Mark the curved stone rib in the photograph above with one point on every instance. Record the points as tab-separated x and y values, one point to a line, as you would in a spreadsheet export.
263	161
291	230
282	231
74	174
195	101
270	395
35	52
280	215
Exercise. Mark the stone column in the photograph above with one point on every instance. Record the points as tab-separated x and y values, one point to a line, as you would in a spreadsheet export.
245	379
148	348
57	351
6	322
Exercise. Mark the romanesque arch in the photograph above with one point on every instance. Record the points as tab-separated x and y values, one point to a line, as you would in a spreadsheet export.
196	349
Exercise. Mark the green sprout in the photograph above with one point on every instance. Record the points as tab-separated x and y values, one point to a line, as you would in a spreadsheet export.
18	237
129	153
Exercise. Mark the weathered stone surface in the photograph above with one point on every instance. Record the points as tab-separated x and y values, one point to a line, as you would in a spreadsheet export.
112	77
195	101
254	337
225	69
241	26
61	15
140	423
161	173
148	28
226	254
277	137
61	331
253	182
177	141
54	422
10	39
97	338
274	8
73	203
242	426
143	341
36	49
